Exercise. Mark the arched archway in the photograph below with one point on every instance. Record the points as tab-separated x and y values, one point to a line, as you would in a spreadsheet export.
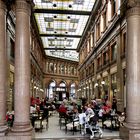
73	90
61	91
51	89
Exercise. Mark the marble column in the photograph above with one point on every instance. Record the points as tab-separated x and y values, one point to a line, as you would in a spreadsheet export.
3	69
133	70
22	68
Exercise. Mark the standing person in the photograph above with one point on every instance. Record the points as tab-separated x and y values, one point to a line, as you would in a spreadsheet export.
114	104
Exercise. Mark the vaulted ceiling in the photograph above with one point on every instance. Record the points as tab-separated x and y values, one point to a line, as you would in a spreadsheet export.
61	24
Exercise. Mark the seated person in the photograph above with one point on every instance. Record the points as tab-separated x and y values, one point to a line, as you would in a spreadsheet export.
106	113
45	112
107	108
88	110
62	109
32	109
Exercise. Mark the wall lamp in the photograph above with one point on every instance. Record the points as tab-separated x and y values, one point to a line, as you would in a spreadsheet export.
96	85
103	82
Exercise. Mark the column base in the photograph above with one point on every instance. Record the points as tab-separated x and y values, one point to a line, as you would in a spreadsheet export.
16	137
3	130
124	132
19	127
127	134
134	134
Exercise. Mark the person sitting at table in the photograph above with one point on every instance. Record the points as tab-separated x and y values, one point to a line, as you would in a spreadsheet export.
114	104
45	112
62	109
32	109
106	112
88	110
106	107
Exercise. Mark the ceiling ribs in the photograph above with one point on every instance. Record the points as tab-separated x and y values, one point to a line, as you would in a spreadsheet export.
60	49
60	35
54	11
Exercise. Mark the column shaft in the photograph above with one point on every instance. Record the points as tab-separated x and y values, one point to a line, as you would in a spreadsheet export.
133	71
3	67
22	68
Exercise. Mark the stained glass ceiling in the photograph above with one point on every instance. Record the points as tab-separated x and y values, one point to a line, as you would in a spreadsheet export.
61	24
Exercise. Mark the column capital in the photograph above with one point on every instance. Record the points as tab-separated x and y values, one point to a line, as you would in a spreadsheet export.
2	5
133	7
133	11
133	3
24	6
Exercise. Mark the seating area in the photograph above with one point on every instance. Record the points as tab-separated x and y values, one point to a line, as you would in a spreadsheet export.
72	119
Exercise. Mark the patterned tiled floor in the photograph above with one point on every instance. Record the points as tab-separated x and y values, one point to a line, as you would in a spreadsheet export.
54	132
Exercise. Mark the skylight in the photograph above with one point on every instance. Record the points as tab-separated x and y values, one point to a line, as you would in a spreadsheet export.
61	24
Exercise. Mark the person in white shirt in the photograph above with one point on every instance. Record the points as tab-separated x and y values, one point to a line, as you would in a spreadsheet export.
32	109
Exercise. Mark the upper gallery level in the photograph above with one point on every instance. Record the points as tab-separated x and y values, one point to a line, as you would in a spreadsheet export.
100	26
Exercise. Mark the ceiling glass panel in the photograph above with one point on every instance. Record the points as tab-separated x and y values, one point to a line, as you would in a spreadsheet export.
62	24
60	31
78	5
64	42
70	55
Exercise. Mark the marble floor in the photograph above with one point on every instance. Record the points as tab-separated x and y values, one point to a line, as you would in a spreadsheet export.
54	132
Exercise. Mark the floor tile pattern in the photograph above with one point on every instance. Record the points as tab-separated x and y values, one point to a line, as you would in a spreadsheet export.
54	132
